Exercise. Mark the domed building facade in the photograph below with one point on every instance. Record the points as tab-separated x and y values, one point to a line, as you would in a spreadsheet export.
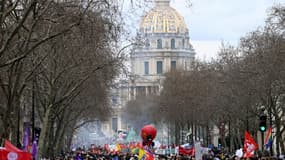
166	46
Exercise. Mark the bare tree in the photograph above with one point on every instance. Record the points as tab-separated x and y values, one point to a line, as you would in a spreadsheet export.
264	50
68	51
25	25
76	61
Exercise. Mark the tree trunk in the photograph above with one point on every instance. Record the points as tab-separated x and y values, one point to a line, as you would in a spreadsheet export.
177	133
7	127
60	143
282	145
51	140
239	138
236	142
14	134
277	139
59	137
182	132
208	135
195	128
16	128
199	132
192	130
44	137
230	137
69	134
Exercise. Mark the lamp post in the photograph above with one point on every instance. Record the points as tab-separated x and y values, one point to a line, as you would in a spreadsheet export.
168	135
33	110
18	129
33	97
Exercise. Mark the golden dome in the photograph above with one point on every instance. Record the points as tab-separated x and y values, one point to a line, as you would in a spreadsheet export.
163	19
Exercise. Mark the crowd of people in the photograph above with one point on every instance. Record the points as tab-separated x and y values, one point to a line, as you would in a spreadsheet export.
102	153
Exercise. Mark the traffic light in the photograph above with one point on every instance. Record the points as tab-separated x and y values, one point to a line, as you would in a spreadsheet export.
262	123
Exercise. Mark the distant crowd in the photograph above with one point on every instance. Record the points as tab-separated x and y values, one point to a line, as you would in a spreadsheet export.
103	153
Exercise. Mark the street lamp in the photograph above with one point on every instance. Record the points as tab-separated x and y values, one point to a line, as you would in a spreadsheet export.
18	129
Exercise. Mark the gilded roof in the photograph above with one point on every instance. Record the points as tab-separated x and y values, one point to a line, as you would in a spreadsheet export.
163	19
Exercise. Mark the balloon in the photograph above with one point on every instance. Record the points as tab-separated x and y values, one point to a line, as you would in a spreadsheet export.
148	134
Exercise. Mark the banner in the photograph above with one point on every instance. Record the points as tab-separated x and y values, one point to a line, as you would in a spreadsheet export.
186	151
10	152
268	138
249	145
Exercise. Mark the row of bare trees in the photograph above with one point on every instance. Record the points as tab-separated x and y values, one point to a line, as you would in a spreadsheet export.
232	90
58	58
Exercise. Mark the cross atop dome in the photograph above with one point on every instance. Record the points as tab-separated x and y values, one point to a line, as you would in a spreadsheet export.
162	3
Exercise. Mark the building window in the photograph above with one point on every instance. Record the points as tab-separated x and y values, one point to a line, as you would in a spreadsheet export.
173	65
147	44
146	68
115	124
114	100
183	43
159	66
172	43
159	44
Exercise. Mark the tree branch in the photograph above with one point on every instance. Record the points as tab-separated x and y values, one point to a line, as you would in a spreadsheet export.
15	31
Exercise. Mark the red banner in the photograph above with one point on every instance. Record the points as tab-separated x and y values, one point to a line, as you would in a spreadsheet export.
186	151
10	152
7	155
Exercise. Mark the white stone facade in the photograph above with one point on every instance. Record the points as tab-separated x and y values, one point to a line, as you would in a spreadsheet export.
166	46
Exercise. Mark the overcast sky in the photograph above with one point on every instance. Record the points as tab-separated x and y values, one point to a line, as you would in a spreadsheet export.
213	21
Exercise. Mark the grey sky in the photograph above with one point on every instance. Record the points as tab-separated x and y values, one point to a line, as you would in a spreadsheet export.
223	19
213	21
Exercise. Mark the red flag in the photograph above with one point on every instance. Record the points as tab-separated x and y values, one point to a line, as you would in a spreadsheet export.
11	151
249	145
9	146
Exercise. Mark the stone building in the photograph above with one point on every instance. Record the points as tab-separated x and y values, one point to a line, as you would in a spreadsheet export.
166	47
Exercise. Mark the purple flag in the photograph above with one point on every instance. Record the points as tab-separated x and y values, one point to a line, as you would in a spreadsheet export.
26	138
34	150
